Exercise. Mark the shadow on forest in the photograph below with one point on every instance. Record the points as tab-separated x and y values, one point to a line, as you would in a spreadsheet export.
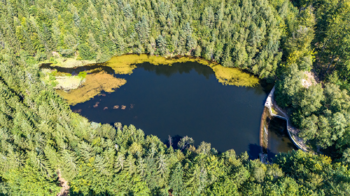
76	70
158	69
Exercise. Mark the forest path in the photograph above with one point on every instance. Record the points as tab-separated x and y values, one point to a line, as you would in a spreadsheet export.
64	184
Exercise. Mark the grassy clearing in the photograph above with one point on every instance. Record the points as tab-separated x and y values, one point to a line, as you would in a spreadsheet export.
94	85
67	83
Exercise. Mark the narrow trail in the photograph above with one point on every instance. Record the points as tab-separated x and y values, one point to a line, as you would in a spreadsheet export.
64	184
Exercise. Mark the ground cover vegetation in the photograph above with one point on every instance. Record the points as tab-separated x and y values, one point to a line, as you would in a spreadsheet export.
43	143
83	87
322	43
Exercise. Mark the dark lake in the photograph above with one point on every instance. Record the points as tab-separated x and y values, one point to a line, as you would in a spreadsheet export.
184	99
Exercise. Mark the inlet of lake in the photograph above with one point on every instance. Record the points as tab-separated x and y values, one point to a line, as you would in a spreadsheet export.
185	99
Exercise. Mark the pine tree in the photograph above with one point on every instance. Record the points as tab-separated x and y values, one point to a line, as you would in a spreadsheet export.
161	45
176	180
143	30
128	12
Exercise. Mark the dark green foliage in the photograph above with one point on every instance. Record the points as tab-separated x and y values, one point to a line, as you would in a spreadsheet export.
289	86
321	113
318	41
99	29
314	171
41	138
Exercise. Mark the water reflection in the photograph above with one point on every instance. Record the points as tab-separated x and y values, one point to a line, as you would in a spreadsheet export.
177	68
278	139
184	99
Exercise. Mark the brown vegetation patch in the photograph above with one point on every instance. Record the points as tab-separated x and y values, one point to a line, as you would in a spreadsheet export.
125	64
101	81
94	84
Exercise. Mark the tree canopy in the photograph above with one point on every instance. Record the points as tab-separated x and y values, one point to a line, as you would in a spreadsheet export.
43	143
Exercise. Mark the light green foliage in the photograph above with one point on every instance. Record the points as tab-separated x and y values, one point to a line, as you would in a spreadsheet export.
101	160
289	86
317	39
244	35
86	52
82	74
321	113
314	171
309	100
41	137
346	156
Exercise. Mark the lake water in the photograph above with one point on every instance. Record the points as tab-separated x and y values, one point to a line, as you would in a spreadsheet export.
184	99
278	139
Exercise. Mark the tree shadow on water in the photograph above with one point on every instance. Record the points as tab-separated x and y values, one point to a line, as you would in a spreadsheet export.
174	141
279	140
178	68
255	150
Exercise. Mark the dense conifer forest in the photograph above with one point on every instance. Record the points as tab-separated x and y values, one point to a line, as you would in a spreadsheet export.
43	143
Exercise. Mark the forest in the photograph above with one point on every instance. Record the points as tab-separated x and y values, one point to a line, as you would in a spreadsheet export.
43	144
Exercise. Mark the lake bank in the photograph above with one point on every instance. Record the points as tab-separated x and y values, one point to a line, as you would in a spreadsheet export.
271	111
184	99
125	64
114	74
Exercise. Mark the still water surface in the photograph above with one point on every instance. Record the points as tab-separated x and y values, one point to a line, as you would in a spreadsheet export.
278	139
184	99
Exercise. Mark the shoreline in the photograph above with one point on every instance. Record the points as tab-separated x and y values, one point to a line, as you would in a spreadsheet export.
125	64
271	105
169	60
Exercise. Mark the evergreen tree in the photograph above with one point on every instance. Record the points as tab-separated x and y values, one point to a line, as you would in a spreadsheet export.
43	143
176	181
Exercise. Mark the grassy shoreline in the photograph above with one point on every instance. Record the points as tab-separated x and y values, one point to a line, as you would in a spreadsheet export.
77	89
